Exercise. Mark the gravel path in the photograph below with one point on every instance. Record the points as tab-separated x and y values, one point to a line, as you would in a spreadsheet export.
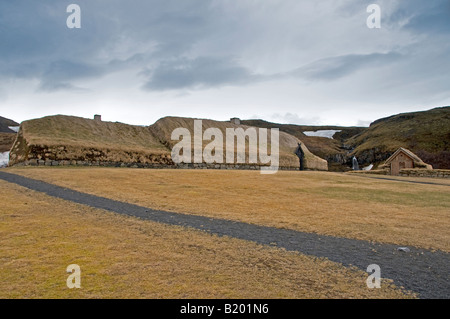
422	271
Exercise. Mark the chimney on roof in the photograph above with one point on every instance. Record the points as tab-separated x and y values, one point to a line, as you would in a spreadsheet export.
97	118
235	120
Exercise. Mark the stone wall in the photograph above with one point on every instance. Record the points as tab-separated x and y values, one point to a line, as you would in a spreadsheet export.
417	172
36	162
439	173
371	172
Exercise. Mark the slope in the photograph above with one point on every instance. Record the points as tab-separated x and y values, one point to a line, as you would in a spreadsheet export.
5	124
331	149
426	133
7	136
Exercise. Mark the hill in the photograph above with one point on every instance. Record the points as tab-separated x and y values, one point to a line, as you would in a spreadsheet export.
332	149
6	141
5	124
68	138
426	133
7	136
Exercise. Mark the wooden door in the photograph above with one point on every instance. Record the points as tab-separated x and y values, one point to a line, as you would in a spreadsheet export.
394	168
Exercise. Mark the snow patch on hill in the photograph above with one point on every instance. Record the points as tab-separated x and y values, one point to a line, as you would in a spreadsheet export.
322	133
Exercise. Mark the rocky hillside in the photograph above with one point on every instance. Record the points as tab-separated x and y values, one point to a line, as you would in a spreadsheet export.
332	149
5	124
427	134
7	136
6	141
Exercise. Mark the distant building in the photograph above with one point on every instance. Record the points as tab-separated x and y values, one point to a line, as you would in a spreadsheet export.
97	117
235	120
404	159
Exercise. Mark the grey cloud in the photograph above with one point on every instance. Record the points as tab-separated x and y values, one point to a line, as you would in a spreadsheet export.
187	44
337	67
65	70
59	75
202	72
423	17
48	86
37	44
206	72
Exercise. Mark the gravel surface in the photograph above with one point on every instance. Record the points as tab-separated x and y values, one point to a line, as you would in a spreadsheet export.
422	271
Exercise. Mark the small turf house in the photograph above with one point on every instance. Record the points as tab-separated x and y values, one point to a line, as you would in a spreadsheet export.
404	159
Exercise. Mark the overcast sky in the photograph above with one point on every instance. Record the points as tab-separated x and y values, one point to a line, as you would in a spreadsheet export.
286	61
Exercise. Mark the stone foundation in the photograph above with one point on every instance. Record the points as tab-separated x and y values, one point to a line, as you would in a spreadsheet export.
436	173
36	162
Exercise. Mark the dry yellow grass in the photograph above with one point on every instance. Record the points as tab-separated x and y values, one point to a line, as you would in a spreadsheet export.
123	257
326	203
6	141
80	132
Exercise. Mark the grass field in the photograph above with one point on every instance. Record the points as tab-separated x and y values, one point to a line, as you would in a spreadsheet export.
123	257
342	205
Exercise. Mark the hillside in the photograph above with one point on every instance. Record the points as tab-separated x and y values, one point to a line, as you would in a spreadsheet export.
5	123
331	149
6	141
68	138
7	136
426	133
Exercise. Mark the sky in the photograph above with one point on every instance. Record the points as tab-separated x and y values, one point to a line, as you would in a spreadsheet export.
285	61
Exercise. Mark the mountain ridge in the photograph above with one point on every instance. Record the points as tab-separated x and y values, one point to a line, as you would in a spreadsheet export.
426	133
